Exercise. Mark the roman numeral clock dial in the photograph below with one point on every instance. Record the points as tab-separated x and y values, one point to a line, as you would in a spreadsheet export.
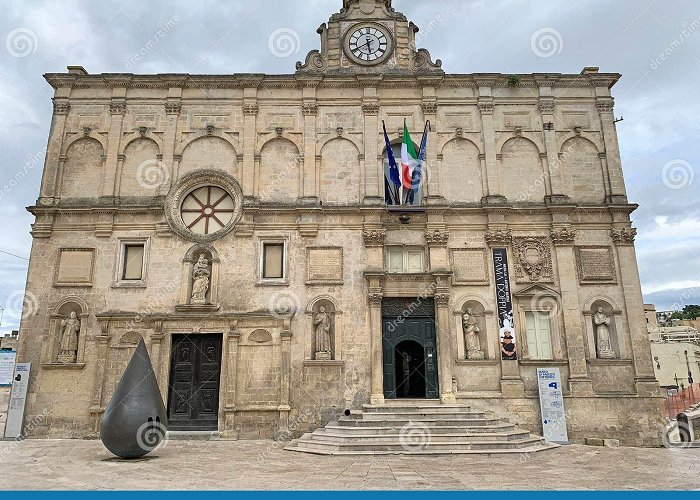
368	44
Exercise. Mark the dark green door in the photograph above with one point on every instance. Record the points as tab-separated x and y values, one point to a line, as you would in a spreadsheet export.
409	350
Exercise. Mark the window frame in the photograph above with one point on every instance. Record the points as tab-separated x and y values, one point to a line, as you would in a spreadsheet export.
123	243
273	240
406	250
536	315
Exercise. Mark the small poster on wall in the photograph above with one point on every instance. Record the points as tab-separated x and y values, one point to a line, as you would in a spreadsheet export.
552	405
504	304
7	367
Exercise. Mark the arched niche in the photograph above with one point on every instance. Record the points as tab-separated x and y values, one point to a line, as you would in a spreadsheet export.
339	175
460	172
82	169
208	152
523	178
69	317
582	171
334	316
615	327
142	171
129	340
279	178
488	337
194	269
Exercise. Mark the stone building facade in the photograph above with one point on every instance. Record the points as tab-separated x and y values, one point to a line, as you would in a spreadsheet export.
238	224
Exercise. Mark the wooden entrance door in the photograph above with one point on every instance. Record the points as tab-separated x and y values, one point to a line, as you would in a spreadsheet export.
195	369
409	349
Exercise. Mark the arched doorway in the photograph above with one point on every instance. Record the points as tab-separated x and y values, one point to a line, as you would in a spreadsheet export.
409	348
409	356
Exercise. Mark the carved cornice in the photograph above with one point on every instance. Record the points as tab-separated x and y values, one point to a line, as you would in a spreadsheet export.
373	237
370	108
117	107
623	236
61	107
546	105
437	237
250	109
563	237
498	237
605	104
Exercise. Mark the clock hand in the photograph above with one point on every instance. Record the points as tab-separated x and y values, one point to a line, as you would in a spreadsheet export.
369	45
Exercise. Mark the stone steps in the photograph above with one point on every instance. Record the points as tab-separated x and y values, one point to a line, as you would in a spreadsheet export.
418	428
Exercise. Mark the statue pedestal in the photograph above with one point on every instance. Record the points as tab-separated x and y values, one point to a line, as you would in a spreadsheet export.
323	356
66	357
606	354
475	354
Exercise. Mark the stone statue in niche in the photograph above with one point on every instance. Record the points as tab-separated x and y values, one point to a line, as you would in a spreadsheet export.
322	331
602	333
471	336
70	329
200	280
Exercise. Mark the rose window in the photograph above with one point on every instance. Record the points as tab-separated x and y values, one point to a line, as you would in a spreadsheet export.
207	209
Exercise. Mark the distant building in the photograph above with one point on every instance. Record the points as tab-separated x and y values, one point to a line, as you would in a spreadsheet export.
8	342
675	350
663	318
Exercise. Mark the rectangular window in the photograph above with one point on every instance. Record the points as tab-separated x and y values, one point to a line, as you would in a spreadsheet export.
405	260
273	261
132	269
539	341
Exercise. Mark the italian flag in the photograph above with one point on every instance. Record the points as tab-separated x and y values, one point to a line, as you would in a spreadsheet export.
409	160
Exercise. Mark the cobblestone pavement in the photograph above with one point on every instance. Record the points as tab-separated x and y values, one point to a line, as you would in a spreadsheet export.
263	465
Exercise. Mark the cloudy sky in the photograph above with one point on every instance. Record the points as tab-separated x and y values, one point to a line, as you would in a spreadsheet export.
654	44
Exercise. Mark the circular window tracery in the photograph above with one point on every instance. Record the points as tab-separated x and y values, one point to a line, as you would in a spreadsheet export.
207	209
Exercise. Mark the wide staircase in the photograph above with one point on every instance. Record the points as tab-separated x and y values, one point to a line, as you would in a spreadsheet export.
418	427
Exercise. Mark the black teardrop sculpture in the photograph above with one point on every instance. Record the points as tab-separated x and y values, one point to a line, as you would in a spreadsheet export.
135	421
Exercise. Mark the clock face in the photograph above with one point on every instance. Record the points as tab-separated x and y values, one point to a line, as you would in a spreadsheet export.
368	44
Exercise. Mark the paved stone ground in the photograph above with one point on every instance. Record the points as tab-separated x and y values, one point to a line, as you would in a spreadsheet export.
263	465
4	401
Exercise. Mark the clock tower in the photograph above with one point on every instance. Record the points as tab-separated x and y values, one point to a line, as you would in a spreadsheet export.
368	37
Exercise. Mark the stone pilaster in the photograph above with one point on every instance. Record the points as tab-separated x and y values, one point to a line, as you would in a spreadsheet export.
49	181
444	341
230	361
373	171
309	111
117	108
102	341
172	115
374	297
486	106
250	114
612	149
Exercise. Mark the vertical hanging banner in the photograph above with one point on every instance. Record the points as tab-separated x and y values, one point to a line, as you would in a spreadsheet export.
7	367
18	397
552	405
504	304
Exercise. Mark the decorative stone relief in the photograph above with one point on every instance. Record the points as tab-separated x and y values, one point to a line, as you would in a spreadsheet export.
309	109
471	336
429	108
469	266
68	348
260	336
117	107
546	105
564	236
485	106
623	236
498	237
370	109
605	104
438	237
602	334
200	280
373	237
533	260
61	108
442	299
250	109
595	264
173	108
324	265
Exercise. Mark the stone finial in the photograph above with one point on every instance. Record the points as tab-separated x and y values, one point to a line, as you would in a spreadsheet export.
498	237
623	236
373	237
564	236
